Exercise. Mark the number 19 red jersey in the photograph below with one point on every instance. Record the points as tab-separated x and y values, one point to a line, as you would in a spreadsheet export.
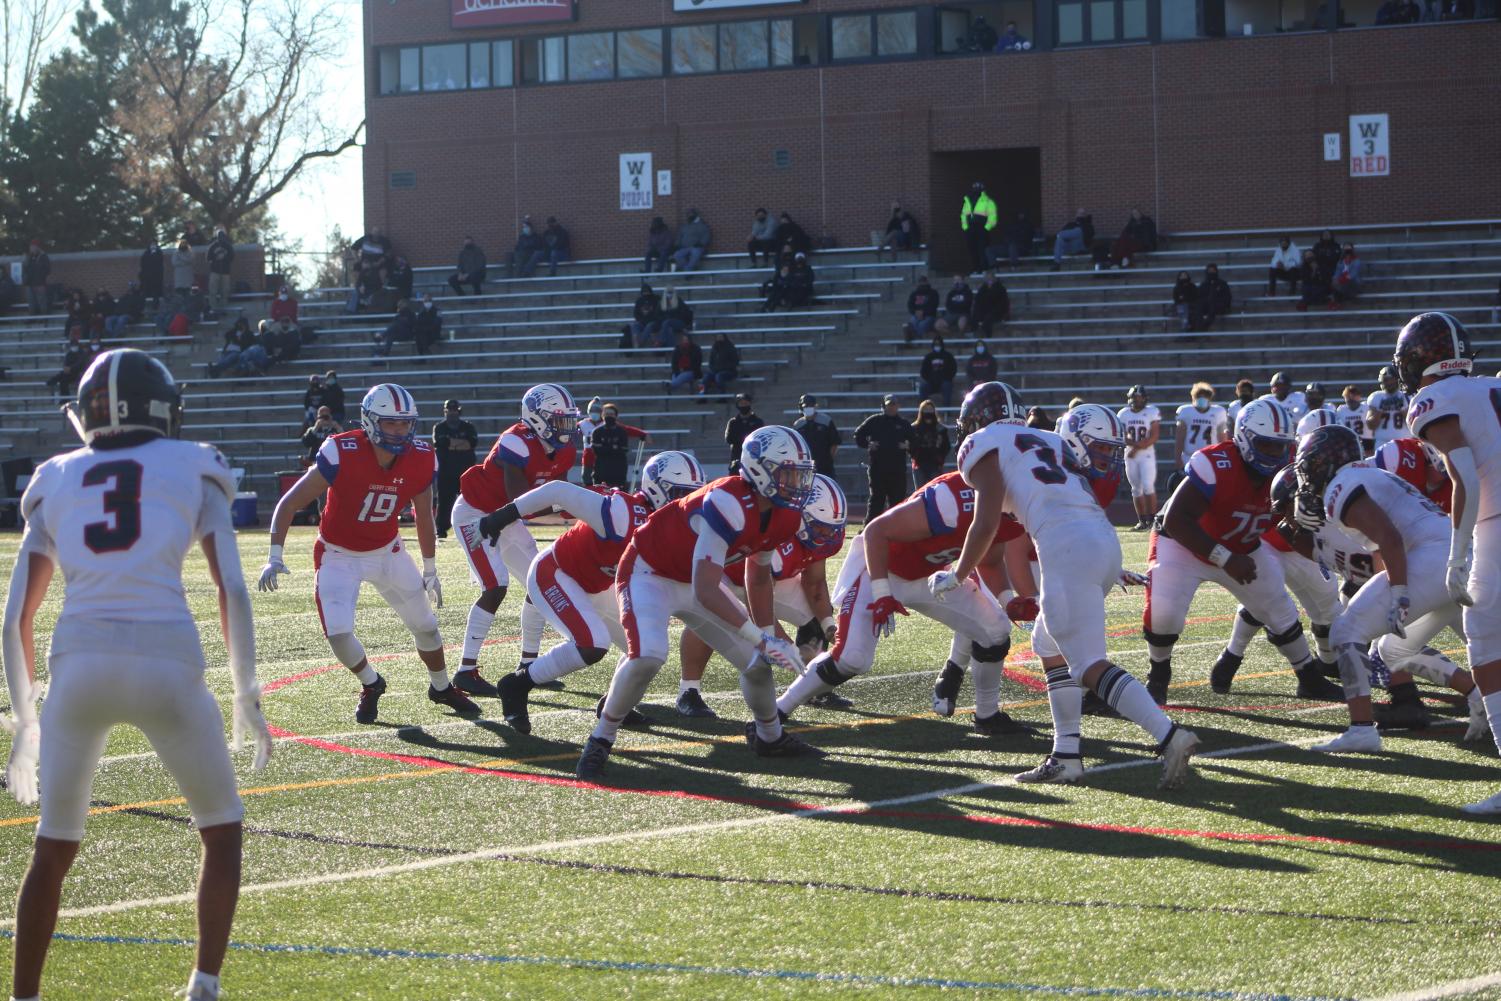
1240	504
364	498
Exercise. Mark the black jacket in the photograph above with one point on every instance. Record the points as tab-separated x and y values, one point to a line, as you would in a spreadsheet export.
1143	231
221	255
151	274
923	301
454	461
400	279
648	309
724	357
938	365
688	359
992	303
333	399
131	305
611	446
930	444
429	325
1214	295
1185	292
35	269
736	430
822	437
1083	222
557	238
1327	253
472	260
888	439
959	301
982	368
791	232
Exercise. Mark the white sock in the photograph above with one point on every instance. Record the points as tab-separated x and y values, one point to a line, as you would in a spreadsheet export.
804	687
207	982
684	685
1066	703
368	676
552	665
1321	643
1493	715
532	624
475	634
439	679
1129	697
960	653
987	680
1241	635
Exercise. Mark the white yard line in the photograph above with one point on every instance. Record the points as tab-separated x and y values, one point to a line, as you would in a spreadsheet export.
1449	990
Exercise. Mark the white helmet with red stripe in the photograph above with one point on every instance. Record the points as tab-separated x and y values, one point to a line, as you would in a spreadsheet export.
1321	417
670	475
552	415
825	514
383	404
1095	437
777	462
1265	435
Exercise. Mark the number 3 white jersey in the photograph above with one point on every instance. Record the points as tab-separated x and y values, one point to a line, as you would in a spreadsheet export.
1418	519
119	522
1040	491
1138	423
1476	401
1202	427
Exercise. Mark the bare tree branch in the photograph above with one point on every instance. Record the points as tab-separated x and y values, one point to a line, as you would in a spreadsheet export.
27	28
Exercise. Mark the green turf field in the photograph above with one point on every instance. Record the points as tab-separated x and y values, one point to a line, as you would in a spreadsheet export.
426	857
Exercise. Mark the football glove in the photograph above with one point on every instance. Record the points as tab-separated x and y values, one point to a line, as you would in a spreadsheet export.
1130	578
21	770
430	582
274	567
248	719
1457	580
781	653
883	613
1396	614
941	583
492	524
808	634
1021	609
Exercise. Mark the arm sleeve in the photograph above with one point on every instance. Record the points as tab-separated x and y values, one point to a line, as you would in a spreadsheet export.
328	459
1201	473
214	520
511	450
17	672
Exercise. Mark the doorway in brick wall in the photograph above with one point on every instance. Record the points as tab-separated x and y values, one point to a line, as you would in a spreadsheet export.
1012	176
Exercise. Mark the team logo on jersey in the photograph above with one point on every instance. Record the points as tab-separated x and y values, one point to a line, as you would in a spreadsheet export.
1424	405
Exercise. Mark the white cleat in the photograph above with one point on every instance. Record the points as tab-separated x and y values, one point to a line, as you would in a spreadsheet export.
1491	806
1060	771
1479	725
1357	739
1176	752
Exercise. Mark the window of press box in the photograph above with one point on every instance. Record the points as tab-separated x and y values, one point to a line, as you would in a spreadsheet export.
502	63
694	48
984	27
1101	21
794	41
1180	19
743	45
638	53
1264	17
591	56
543	59
444	67
399	71
866	36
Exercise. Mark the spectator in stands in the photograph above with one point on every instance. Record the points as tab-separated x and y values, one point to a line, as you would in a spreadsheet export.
557	245
9	295
36	270
937	372
957	306
977	217
724	364
131	306
367	286
887	439
1138	237
820	432
333	395
471	268
763	237
221	259
1214	298
1286	266
930	444
1038	418
677	316
182	267
922	310
992	305
403	327
646	320
454	442
1347	278
428	325
193	235
693	242
284	305
1315	285
1012	40
527	252
902	232
195	305
658	246
282	339
1075	237
611	445
312	399
1019	236
1456	10
80	311
243	353
1327	253
374	249
777	289
399	278
800	283
151	273
1185	299
981	366
739	426
320	430
76	358
790	234
107	314
687	365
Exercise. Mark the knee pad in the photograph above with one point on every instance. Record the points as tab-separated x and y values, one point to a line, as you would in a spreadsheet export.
1292	634
1159	639
829	673
1321	630
494	595
990	654
1250	619
428	638
347	649
592	654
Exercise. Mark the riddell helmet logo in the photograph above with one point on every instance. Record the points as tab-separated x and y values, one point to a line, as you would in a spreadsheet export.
1452	365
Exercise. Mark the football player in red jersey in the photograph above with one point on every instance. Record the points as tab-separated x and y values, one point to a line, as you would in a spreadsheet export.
573	580
540	448
1212	531
674	567
800	593
1420	464
371	474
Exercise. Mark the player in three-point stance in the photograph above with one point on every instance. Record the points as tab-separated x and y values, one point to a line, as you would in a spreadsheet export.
1017	470
118	517
540	448
1460	415
573	580
371	474
674	567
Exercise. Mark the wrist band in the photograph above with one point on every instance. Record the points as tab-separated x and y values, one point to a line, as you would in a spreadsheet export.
1219	556
880	587
429	564
752	632
275	556
828	622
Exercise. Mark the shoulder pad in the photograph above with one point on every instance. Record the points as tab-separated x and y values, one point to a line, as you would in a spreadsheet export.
44	481
215	468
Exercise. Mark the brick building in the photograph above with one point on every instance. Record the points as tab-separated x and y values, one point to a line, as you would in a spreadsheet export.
1206	113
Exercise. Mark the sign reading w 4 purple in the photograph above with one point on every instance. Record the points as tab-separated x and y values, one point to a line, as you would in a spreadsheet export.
488	13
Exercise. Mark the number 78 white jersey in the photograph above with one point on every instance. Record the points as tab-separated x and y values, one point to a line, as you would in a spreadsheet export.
1040	490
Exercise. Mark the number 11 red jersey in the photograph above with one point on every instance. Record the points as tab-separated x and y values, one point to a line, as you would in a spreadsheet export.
364	498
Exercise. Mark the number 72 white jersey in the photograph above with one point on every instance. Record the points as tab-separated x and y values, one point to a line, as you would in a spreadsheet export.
1040	490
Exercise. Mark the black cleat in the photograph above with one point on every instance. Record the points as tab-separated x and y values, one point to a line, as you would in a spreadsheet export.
1401	716
946	689
1093	705
1313	685
513	690
1158	678
831	700
369	707
592	762
453	699
1223	672
470	683
691	703
1000	725
785	746
1329	668
635	717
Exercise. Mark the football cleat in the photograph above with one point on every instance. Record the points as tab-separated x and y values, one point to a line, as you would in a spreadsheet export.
831	700
1490	805
470	683
369	707
1223	672
691	704
998	724
453	699
1479	725
634	718
592	762
1054	770
1313	685
1401	716
946	689
1158	678
1176	752
513	690
1357	739
785	746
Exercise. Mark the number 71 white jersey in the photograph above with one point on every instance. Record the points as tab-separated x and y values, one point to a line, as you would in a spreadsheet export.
1040	489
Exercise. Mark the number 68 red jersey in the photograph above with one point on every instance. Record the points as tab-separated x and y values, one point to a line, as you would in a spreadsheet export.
363	498
1240	505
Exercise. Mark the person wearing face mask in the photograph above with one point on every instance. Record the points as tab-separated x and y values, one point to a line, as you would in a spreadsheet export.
591	420
1185	301
428	327
1245	392
454	442
930	444
323	427
982	366
887	440
527	252
1214	298
1287	266
740	426
284	306
333	395
611	442
221	259
1326	253
1201	423
150	273
818	430
182	268
471	268
937	372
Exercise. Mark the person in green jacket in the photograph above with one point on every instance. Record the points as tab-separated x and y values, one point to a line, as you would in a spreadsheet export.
977	217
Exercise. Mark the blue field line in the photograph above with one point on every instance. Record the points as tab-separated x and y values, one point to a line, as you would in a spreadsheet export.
861	979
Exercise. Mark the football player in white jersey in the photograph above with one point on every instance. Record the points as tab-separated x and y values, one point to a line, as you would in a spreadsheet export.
1019	471
1202	422
1386	410
1245	392
1143	426
1282	391
1460	415
118	517
1351	414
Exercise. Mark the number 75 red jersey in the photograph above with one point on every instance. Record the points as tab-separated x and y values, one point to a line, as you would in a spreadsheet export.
1240	504
364	498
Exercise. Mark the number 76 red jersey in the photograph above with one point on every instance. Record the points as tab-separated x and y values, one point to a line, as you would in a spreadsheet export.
364	498
1240	504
